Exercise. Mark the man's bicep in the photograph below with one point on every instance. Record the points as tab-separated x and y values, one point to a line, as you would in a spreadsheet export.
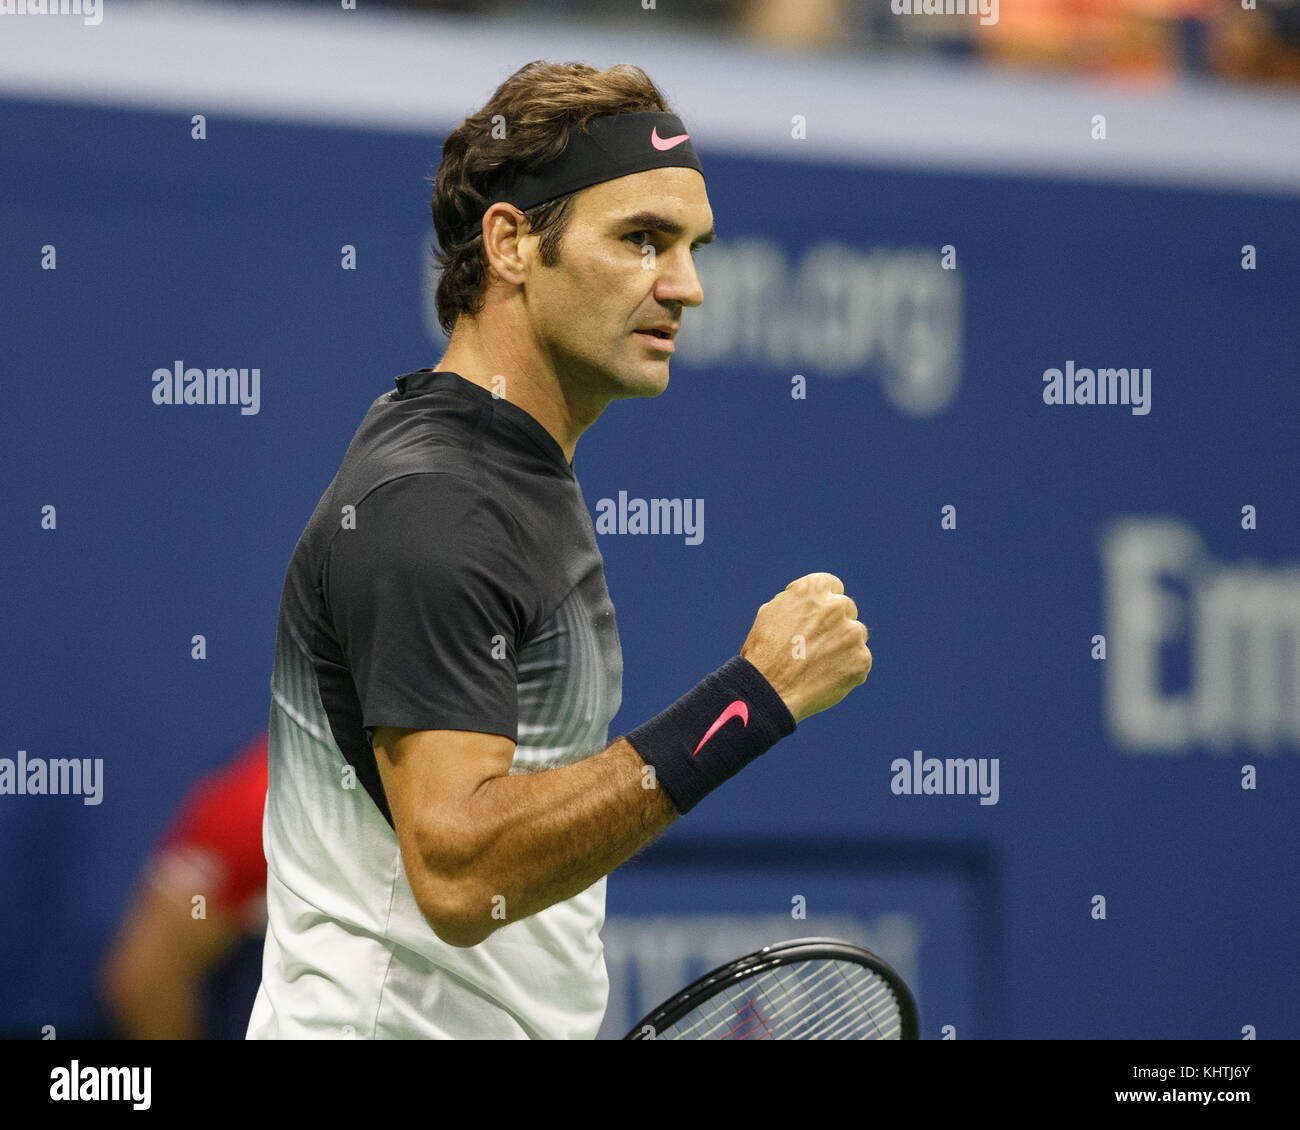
428	777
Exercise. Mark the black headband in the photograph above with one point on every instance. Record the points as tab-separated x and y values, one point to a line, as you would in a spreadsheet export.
612	146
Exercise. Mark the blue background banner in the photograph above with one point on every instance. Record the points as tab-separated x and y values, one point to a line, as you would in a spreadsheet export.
845	381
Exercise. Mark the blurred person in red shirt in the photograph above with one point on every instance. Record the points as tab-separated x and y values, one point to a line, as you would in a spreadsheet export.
186	961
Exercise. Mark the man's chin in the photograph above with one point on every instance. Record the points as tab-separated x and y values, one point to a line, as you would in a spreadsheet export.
658	386
642	383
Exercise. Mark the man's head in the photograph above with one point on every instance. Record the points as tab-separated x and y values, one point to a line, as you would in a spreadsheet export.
578	275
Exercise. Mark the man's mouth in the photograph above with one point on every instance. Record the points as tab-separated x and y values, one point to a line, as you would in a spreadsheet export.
657	340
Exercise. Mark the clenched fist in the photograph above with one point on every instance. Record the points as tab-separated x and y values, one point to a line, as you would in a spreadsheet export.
835	656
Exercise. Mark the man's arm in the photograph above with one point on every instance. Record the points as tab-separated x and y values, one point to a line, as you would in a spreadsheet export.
472	835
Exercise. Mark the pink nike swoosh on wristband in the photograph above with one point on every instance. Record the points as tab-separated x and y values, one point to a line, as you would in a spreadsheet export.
662	143
737	709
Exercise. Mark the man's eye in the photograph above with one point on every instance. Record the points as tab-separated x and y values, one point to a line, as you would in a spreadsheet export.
695	248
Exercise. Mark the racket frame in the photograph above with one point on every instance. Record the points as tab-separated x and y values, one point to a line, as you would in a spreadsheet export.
772	957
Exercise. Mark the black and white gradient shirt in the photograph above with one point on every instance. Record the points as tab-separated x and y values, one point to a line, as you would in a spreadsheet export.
449	579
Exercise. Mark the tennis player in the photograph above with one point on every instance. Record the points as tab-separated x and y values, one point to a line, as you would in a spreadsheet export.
443	806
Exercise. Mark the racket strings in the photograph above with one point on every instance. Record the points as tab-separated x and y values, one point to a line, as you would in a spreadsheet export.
875	998
810	1000
797	1002
865	1000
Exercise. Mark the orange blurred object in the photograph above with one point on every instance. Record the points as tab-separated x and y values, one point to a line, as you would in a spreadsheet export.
1133	38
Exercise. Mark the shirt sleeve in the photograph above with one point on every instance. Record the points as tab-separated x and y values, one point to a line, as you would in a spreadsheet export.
428	598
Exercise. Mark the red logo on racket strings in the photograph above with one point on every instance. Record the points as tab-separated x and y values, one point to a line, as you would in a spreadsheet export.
737	709
664	143
750	1024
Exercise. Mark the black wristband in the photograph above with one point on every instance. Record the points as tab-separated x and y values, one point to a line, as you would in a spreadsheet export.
712	732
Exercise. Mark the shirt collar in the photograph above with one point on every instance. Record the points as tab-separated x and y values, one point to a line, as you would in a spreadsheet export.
431	380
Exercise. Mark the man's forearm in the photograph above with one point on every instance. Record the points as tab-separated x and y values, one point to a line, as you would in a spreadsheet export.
544	837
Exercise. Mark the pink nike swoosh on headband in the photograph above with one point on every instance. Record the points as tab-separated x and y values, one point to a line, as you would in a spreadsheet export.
662	143
737	709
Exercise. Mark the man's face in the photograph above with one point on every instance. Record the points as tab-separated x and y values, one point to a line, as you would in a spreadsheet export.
626	264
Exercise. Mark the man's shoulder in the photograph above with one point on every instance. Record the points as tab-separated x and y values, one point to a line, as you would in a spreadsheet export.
443	531
447	502
393	443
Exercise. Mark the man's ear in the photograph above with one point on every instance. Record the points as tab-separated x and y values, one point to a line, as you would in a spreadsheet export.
506	243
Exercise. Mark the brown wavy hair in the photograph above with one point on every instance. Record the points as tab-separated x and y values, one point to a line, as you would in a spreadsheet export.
538	105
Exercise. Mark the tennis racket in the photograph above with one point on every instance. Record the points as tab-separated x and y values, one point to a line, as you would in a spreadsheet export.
806	989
